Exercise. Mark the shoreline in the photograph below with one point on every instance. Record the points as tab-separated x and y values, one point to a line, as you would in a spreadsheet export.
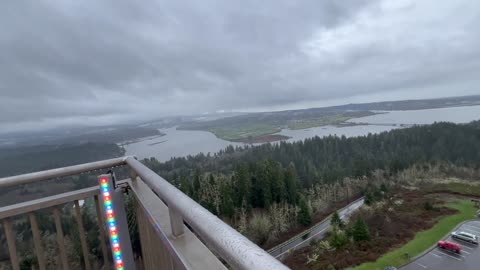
267	138
141	139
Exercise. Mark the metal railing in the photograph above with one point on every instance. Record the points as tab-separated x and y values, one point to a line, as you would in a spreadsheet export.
161	212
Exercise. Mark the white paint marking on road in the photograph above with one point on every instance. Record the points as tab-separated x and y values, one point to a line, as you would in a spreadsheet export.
438	256
443	253
475	229
477	223
451	253
420	265
457	254
473	224
463	251
294	247
467	247
467	227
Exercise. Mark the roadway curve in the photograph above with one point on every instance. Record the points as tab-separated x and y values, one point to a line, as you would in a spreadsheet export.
436	258
316	232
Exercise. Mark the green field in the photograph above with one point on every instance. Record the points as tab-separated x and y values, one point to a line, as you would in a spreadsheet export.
254	125
323	121
424	239
257	129
244	132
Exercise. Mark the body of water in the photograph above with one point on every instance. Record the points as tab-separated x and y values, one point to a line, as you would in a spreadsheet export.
422	117
179	143
349	131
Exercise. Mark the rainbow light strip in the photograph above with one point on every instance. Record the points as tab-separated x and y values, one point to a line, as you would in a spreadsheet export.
111	223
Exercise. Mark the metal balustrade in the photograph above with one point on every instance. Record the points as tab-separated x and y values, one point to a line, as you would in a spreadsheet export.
162	213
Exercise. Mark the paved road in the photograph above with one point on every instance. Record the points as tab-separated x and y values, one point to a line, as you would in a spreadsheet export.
317	232
468	259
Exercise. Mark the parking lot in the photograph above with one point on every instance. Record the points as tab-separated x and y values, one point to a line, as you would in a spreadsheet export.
468	259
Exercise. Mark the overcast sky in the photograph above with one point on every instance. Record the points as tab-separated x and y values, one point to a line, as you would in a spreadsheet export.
99	62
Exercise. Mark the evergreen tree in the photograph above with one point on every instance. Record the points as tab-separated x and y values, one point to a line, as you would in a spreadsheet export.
196	185
368	199
360	230
263	173
243	185
277	183
339	239
383	188
256	195
336	221
291	183
185	186
227	209
305	214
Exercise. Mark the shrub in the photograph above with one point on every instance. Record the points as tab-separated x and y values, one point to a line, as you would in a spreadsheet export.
360	231
339	239
428	206
336	221
323	246
312	259
259	228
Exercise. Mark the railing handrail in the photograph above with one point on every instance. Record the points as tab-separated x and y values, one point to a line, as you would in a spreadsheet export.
47	202
228	243
60	172
238	251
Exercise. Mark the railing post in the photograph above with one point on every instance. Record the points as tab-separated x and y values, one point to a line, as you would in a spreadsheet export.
106	260
37	241
133	174
12	248
81	231
116	222
60	241
176	222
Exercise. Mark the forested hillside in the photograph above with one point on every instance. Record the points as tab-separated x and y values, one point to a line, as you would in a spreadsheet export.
328	159
297	180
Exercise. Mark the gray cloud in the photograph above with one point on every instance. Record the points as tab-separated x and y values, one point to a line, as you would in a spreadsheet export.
117	61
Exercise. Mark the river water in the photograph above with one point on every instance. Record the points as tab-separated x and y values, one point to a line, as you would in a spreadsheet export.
454	115
178	143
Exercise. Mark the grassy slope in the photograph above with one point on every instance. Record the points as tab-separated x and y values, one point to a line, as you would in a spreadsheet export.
425	239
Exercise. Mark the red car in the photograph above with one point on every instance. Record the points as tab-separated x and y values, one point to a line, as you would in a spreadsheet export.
449	246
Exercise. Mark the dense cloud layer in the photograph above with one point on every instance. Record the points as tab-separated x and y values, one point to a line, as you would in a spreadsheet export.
98	62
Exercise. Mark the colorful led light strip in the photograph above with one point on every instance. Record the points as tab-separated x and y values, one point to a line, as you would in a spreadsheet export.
111	223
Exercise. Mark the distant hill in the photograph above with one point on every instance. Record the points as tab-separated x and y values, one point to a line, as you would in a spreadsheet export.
17	160
415	104
82	135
